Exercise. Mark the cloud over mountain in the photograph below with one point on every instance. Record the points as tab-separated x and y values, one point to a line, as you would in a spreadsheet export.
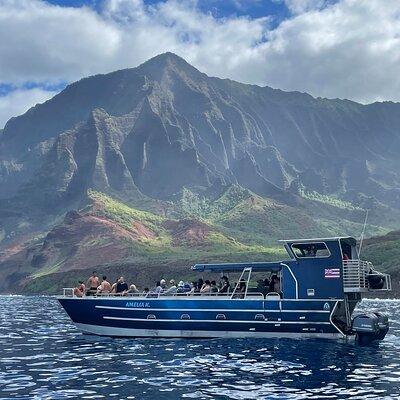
348	49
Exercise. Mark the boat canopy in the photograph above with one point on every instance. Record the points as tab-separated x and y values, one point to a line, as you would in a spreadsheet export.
239	267
349	239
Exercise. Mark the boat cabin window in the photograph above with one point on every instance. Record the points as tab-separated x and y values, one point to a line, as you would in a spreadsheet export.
310	250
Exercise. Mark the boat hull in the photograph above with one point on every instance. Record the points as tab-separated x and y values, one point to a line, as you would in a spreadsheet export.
203	318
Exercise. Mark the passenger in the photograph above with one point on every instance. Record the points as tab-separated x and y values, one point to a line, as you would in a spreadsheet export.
206	288
172	289
161	287
146	291
133	289
105	286
181	288
275	284
93	283
199	285
193	288
262	287
311	251
225	285
345	257
242	289
214	287
122	287
187	287
80	290
157	287
114	286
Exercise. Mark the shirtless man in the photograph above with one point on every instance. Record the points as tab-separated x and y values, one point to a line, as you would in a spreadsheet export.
105	286
93	283
80	290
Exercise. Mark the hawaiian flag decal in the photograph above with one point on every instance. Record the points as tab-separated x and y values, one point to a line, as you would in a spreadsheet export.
332	273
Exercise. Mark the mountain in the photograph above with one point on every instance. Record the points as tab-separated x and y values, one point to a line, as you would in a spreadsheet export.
250	163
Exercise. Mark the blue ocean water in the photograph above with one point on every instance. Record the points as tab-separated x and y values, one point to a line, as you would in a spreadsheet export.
43	356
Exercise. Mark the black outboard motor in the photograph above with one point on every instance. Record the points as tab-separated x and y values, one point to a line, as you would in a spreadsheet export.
383	323
370	327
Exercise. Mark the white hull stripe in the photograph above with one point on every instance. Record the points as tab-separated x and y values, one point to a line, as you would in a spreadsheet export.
211	310
217	321
164	333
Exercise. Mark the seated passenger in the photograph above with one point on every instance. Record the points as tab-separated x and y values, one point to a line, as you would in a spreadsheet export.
214	287
275	285
181	287
193	288
187	287
114	286
105	286
206	288
199	285
146	291
133	289
121	287
172	289
161	287
242	289
225	286
80	290
262	287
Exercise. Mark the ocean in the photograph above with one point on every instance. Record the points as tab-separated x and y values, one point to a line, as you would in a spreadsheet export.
43	356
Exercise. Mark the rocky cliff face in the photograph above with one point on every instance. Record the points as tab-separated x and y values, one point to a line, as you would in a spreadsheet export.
152	130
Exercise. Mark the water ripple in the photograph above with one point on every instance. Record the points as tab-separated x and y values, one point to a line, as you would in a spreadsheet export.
43	356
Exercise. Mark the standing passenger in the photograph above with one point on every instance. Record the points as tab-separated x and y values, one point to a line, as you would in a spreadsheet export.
105	286
122	287
93	283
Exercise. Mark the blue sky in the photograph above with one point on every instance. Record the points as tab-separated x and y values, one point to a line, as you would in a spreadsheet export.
219	8
328	48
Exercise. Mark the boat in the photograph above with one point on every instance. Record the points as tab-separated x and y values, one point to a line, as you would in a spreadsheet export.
320	285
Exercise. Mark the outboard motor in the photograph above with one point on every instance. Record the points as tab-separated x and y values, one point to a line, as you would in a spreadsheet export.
370	327
383	323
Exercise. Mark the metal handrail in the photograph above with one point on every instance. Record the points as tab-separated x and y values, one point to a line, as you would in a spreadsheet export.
356	274
69	292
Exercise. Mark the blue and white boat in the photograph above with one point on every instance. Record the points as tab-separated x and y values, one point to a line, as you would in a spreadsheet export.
320	285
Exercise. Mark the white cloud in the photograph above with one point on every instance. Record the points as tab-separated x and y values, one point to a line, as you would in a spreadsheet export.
19	101
349	49
301	6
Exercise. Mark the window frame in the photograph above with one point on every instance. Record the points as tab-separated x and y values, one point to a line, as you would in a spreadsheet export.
307	258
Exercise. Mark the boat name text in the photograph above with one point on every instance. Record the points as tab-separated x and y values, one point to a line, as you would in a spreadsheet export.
137	304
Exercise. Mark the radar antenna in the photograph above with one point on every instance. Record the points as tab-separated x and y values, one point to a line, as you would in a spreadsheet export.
362	234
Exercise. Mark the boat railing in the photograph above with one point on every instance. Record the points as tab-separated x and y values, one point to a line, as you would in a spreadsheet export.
70	292
358	276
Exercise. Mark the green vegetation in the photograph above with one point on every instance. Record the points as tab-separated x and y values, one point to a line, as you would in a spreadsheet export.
383	252
236	226
329	200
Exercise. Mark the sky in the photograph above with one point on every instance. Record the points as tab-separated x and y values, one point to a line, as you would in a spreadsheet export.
328	48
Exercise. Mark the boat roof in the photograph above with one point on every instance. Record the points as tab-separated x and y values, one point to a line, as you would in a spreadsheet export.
238	267
326	239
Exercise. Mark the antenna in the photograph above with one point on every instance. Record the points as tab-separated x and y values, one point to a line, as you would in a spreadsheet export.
362	234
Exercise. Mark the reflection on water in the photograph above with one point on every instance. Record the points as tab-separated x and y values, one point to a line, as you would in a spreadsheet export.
43	356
